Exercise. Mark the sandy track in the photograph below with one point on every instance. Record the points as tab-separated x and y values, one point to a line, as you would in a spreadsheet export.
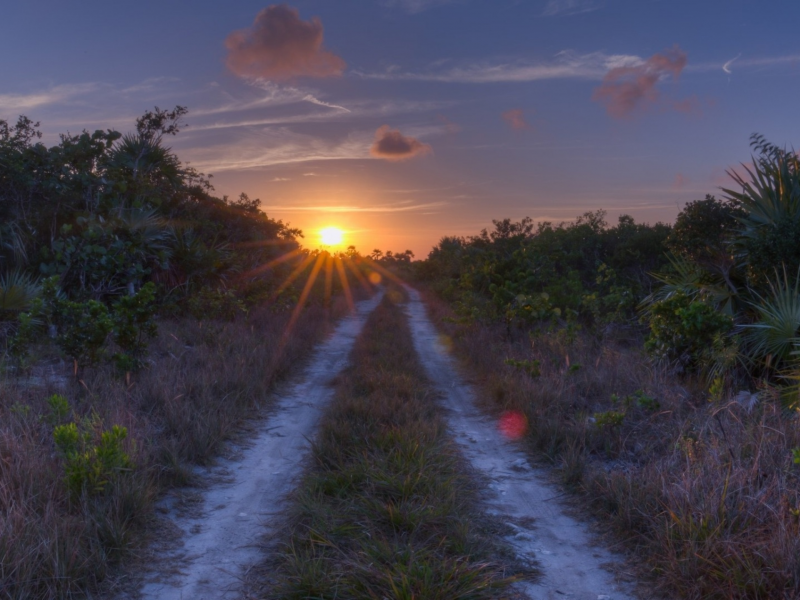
573	568
220	541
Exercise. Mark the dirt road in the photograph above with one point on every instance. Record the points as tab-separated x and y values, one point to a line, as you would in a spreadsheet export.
219	541
573	568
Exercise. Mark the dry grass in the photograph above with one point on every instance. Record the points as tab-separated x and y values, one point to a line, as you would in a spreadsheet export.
205	380
387	509
705	492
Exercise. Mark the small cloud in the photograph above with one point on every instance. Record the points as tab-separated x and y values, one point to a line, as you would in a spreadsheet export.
680	181
449	126
278	179
626	89
569	7
516	119
415	6
727	66
280	46
310	174
390	144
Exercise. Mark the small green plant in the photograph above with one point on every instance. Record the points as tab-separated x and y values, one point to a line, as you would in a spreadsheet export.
609	419
20	410
796	456
89	466
59	408
716	389
133	325
574	368
531	367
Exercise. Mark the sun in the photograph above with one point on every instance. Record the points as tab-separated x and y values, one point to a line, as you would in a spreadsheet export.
331	236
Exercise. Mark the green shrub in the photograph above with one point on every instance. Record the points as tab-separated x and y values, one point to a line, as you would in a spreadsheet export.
687	332
216	304
89	467
133	325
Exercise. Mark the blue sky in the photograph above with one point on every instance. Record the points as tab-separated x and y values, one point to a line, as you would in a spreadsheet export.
413	119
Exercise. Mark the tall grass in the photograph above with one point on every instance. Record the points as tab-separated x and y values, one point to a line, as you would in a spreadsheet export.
205	379
387	509
703	491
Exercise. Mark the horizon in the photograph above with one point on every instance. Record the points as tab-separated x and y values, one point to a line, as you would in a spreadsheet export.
401	121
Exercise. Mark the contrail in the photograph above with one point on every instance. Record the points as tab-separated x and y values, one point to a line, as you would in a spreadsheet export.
727	66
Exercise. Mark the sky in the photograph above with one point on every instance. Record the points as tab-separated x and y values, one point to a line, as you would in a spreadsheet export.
402	121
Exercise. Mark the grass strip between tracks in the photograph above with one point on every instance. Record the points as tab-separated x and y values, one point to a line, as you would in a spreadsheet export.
388	509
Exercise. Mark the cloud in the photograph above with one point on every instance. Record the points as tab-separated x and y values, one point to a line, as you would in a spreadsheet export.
57	94
416	6
386	208
627	89
569	7
565	65
390	144
450	127
280	46
515	118
680	181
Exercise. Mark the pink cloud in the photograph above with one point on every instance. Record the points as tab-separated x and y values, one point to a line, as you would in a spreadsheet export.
449	126
516	119
390	144
280	46
627	89
680	181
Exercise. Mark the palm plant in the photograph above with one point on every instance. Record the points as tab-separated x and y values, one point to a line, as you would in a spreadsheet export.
17	290
773	336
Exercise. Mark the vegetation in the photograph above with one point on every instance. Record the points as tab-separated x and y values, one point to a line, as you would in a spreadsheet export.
688	453
386	510
142	321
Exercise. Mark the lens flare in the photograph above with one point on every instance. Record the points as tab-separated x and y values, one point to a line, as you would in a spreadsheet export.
331	236
513	424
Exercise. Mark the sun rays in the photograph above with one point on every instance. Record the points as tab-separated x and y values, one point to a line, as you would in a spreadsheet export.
336	273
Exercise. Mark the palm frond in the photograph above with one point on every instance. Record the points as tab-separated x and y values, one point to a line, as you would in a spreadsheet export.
17	290
775	332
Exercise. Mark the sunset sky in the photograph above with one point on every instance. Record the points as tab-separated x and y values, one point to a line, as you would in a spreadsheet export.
401	121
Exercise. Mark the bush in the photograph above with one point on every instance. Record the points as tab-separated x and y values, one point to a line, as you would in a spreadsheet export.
216	304
687	332
89	467
133	325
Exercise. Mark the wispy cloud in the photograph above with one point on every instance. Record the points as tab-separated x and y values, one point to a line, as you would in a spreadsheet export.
274	146
385	208
570	7
565	65
53	95
416	6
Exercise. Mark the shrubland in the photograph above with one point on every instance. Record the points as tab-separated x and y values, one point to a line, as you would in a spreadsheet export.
142	322
657	368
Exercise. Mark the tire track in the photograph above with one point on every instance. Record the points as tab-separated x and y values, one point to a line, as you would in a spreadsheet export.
220	542
573	568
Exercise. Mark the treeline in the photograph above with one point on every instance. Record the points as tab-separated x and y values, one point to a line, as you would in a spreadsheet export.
718	293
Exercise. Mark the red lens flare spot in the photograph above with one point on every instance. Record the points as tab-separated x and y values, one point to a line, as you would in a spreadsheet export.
513	424
375	278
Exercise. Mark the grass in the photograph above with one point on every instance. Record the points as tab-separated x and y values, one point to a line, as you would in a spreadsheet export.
703	493
387	508
204	381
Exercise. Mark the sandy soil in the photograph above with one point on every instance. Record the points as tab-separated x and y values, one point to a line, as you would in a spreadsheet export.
218	541
573	566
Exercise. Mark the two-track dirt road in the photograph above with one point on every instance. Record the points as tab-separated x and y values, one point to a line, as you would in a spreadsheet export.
220	540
